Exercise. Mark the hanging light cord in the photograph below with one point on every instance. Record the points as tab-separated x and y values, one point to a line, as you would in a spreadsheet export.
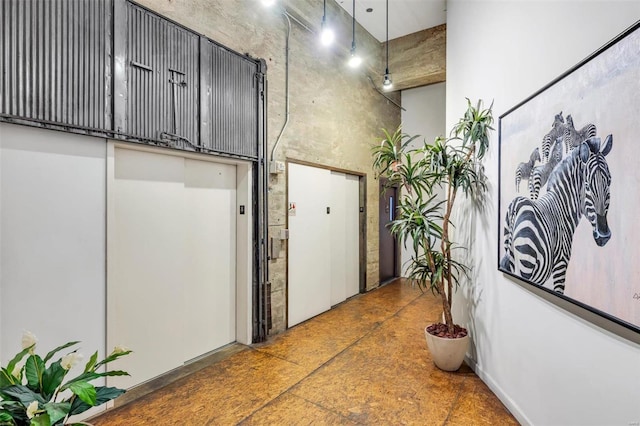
353	27
387	69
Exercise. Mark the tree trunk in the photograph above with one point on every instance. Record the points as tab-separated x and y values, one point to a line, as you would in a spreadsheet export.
446	308
446	251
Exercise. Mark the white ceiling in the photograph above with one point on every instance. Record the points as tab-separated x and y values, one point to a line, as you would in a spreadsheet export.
405	16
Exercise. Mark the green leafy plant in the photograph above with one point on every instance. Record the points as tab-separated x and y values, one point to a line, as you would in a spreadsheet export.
448	165
35	392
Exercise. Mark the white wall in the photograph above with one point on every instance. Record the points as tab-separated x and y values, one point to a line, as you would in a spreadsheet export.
425	111
549	366
52	221
53	201
424	116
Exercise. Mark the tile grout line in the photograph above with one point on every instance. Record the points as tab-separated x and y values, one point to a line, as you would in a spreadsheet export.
275	356
455	402
327	409
377	325
310	373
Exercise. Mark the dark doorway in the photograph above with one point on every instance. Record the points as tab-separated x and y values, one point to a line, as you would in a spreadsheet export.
388	246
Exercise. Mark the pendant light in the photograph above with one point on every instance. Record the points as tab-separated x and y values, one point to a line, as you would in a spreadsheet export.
326	33
387	84
354	60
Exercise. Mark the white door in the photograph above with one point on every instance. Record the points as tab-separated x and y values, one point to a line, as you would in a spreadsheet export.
171	261
144	294
352	234
345	244
309	280
337	234
323	255
210	256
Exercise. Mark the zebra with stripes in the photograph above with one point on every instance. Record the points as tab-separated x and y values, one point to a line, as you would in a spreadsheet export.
558	128
538	235
540	174
524	169
573	137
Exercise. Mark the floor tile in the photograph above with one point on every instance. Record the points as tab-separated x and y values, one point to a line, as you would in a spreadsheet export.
296	411
364	362
314	342
224	393
387	377
477	405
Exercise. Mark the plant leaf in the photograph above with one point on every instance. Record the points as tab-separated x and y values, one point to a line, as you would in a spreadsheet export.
33	369
111	358
51	379
57	410
16	359
103	394
22	394
107	394
87	377
58	349
85	391
41	420
6	378
6	418
16	410
91	363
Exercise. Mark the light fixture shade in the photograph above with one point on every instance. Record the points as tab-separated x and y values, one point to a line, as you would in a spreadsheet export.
354	60
387	84
326	35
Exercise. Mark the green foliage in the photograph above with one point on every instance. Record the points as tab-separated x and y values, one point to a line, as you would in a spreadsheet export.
423	217
34	393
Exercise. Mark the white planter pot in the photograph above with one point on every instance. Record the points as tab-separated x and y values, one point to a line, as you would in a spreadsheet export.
447	354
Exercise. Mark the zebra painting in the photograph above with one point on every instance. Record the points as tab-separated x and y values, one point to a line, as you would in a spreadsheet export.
524	169
538	234
557	131
573	137
540	174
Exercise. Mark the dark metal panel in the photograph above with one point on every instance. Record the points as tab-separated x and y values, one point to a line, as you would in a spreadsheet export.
233	106
119	66
162	80
55	61
205	91
261	286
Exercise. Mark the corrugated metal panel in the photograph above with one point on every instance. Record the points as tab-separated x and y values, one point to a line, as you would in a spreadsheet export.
233	103
55	61
162	63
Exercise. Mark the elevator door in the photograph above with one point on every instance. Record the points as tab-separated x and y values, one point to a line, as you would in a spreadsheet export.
324	250
171	261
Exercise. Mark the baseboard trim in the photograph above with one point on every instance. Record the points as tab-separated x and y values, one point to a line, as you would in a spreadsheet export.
511	405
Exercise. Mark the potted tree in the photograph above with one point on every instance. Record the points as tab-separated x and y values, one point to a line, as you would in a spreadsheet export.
430	179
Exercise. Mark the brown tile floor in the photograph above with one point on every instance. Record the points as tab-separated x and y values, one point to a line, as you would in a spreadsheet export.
364	362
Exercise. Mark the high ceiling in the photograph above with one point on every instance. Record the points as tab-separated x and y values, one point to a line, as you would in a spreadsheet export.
405	16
